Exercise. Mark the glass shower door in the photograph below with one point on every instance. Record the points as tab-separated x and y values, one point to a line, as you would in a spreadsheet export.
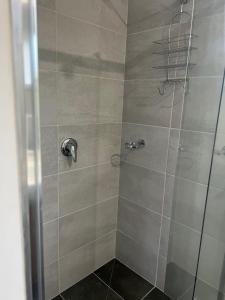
210	281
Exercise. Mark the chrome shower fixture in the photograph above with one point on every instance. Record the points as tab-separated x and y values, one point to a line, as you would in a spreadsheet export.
183	1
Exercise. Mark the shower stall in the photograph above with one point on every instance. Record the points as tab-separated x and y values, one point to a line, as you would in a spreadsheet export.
132	133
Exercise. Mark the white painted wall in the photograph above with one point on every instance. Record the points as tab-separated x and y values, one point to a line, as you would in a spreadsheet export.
12	279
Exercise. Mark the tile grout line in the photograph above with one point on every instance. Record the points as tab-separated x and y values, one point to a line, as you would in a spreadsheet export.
164	187
108	286
143	298
55	11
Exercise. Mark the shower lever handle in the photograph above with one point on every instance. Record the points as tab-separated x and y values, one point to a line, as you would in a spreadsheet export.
69	148
73	153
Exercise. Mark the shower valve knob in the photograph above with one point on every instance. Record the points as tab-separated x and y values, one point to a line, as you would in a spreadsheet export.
69	148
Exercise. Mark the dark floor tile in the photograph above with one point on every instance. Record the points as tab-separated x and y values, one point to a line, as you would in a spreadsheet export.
57	298
125	282
105	272
90	288
156	295
113	296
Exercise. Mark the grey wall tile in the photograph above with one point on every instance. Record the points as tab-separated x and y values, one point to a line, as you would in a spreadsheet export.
82	262
212	262
208	8
48	103
178	281
50	241
51	281
96	144
161	273
144	105
86	187
199	112
140	259
46	39
47	3
210	44
140	224
184	201
49	150
166	235
215	211
50	198
144	14
88	100
192	159
153	155
184	243
139	58
203	291
218	167
80	228
142	186
109	14
92	50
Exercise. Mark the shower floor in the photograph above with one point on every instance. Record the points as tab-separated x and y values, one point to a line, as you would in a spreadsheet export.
113	281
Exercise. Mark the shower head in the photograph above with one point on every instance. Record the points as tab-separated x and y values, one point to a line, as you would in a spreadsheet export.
183	1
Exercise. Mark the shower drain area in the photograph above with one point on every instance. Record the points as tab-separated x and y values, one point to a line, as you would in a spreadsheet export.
113	281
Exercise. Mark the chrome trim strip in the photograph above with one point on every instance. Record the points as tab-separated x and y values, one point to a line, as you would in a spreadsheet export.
25	53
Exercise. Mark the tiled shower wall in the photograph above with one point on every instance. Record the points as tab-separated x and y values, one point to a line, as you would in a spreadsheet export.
162	190
81	60
163	186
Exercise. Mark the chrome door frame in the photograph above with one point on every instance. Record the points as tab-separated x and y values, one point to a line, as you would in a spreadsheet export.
25	61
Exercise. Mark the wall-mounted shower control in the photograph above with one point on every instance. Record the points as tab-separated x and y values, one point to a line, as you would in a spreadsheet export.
135	145
69	148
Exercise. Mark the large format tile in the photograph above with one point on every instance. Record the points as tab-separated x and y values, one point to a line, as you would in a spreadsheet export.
125	282
92	50
142	186
46	38
210	44
81	262
208	8
96	144
144	14
49	198
48	103
49	150
87	225
218	165
50	241
139	58
51	281
85	100
86	187
140	259
185	201
212	262
184	242
111	15
89	288
190	155
156	295
47	3
144	105
153	155
199	110
205	292
215	210
140	224
178	282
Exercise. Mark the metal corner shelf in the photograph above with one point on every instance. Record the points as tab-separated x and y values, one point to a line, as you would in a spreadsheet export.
175	66
176	39
175	50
